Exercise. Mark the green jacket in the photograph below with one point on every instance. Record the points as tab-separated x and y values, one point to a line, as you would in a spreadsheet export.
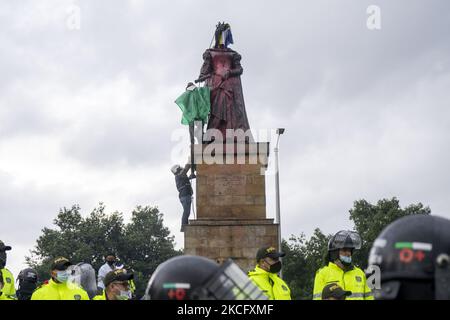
353	280
59	291
8	291
271	284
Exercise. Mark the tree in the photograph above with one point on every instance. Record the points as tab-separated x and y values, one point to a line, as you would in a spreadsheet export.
303	259
370	220
148	244
141	244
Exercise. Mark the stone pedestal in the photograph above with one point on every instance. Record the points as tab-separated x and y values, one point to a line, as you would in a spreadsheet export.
231	204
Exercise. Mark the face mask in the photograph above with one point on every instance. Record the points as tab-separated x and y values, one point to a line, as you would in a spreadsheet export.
275	268
2	259
110	263
346	260
124	295
62	276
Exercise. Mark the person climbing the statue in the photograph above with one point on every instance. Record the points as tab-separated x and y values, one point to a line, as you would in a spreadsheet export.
185	191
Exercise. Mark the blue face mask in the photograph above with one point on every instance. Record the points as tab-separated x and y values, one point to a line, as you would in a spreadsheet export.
345	260
124	295
62	276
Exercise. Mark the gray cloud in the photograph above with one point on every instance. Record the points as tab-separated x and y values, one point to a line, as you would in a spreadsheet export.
365	111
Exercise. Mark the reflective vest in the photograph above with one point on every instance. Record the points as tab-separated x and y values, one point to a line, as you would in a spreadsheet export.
353	280
132	286
8	291
271	284
100	296
59	291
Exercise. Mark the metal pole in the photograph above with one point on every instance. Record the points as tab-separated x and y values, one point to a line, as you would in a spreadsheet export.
277	197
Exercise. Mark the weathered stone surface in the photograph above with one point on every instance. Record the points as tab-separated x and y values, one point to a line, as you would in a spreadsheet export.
253	153
229	185
230	190
231	238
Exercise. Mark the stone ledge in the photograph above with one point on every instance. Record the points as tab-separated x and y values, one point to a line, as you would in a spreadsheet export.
238	148
230	222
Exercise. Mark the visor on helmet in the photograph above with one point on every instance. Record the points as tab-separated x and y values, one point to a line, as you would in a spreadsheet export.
345	239
231	283
83	275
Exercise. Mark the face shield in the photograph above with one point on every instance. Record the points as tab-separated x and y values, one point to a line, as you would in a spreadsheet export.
83	275
229	282
345	239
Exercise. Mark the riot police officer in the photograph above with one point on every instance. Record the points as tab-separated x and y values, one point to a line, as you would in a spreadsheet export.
197	278
413	256
7	289
341	270
27	279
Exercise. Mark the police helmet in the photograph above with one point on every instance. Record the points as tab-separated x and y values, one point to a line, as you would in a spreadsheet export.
28	275
345	239
413	256
27	283
197	278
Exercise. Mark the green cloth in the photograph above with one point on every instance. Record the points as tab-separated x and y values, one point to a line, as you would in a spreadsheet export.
195	105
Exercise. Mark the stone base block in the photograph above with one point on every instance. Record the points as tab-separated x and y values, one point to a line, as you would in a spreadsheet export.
232	189
237	239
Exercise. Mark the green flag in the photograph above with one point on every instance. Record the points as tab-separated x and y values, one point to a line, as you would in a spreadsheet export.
194	104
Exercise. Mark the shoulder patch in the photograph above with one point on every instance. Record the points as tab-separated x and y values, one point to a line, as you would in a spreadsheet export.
77	297
358	279
8	280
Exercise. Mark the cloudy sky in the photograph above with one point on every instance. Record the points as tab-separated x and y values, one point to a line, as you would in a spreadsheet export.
87	112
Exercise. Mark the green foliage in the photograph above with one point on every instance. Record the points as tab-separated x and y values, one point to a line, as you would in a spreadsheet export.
304	257
370	220
141	244
144	242
302	260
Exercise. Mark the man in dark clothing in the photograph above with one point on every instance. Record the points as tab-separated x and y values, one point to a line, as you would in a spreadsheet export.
28	279
184	191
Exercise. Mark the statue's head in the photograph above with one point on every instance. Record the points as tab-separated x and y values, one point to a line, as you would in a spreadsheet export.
223	35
